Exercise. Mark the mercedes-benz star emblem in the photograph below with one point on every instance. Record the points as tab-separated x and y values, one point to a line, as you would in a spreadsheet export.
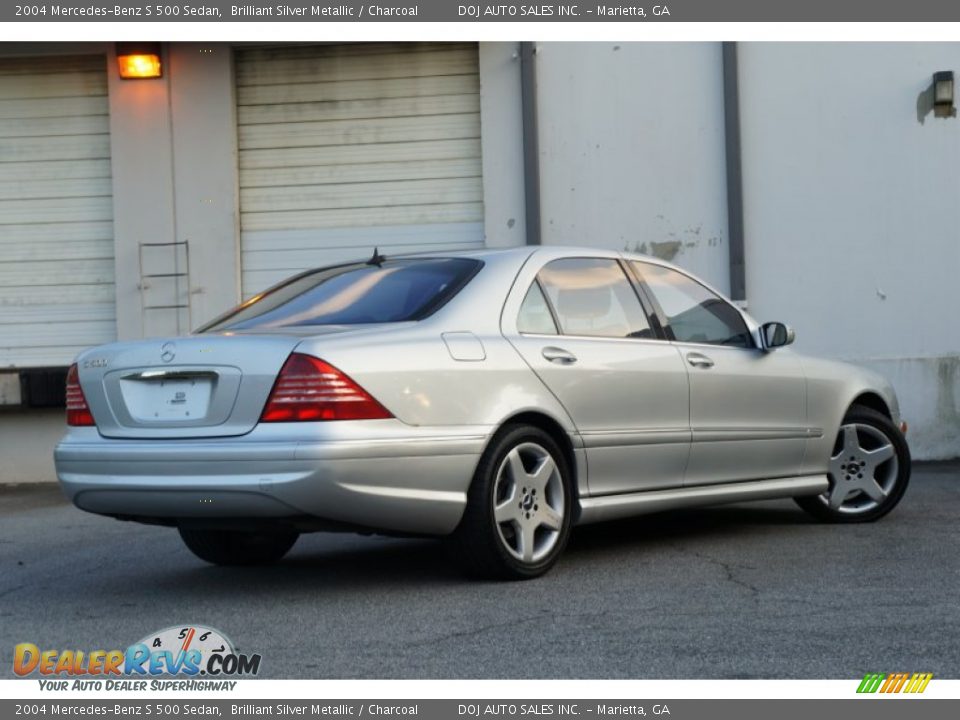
168	351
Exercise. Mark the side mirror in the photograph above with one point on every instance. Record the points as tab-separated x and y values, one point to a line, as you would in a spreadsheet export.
776	334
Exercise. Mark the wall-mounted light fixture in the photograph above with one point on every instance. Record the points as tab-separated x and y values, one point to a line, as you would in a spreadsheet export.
137	61
943	92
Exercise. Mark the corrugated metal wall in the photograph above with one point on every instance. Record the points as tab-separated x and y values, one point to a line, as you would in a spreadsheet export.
56	210
344	147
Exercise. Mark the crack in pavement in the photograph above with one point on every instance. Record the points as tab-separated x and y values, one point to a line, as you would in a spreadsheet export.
727	567
12	590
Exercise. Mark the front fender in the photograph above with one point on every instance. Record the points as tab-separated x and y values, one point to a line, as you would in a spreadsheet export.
832	387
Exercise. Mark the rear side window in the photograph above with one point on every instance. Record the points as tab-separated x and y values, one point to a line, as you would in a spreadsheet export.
593	297
535	314
395	291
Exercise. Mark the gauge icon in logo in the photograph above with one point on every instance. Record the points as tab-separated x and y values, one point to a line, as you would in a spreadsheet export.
196	642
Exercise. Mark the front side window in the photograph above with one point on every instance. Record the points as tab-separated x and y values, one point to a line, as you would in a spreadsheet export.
395	291
593	297
693	313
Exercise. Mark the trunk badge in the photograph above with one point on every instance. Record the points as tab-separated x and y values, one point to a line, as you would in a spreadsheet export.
168	351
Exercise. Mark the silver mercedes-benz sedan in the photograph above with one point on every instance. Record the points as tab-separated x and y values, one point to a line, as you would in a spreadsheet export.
497	397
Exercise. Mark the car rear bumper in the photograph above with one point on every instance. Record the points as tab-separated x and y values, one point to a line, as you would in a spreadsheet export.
380	475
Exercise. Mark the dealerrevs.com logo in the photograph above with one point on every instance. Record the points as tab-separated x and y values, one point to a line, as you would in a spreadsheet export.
894	683
180	651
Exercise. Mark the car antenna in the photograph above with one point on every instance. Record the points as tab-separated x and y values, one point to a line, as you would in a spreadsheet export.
377	258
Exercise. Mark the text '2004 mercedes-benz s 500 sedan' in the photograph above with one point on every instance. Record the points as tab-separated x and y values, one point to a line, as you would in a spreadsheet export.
496	397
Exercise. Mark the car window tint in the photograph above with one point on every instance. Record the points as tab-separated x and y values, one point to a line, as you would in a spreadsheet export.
593	297
395	291
694	314
535	314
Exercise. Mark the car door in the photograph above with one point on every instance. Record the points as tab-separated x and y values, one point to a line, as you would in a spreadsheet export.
582	329
747	406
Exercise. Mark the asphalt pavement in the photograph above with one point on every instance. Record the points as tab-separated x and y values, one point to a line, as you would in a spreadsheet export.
744	591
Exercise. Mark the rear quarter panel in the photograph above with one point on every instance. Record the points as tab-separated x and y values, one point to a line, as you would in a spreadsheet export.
415	377
411	371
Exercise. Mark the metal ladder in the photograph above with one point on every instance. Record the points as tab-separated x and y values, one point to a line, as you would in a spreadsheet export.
166	291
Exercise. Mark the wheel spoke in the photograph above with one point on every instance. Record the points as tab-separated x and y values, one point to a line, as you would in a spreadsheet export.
550	518
541	476
850	440
507	510
526	538
873	490
880	455
837	495
517	470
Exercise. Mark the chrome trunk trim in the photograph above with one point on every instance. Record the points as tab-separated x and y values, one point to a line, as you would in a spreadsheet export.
174	374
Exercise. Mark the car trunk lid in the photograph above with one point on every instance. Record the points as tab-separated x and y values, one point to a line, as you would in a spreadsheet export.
191	387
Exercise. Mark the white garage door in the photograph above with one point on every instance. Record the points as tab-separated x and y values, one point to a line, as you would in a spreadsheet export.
56	210
348	147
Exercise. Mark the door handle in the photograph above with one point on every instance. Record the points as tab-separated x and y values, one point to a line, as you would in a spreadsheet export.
559	356
699	360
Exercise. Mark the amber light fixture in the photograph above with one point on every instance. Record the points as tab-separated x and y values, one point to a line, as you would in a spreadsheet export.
137	61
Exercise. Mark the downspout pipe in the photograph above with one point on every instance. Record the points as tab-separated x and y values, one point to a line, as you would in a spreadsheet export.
531	141
731	118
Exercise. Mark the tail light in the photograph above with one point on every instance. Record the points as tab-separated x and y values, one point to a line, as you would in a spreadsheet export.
78	414
308	389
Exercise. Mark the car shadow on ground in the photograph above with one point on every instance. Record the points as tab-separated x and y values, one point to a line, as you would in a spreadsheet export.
311	566
334	563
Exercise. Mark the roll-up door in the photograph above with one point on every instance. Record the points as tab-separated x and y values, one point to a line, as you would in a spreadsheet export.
56	210
344	148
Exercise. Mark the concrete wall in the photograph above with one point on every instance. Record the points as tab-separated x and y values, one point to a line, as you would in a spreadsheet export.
501	129
27	439
632	150
851	214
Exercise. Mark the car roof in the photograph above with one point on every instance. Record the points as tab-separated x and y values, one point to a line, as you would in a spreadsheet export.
551	251
554	252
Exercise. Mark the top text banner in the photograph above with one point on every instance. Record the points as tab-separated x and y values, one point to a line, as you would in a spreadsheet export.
466	11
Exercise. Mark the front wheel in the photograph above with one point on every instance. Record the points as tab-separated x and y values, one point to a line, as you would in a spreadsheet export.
519	508
238	547
868	472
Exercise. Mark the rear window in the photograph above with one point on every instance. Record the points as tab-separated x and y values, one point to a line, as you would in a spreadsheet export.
396	291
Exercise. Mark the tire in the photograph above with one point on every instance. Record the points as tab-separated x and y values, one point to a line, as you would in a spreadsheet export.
238	547
869	470
519	508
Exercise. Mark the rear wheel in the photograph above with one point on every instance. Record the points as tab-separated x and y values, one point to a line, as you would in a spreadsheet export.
519	507
868	472
238	547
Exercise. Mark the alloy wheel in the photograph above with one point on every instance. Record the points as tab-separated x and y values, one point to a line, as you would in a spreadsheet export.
863	469
528	502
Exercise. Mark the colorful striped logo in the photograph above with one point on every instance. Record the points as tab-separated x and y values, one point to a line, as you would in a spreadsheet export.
895	682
